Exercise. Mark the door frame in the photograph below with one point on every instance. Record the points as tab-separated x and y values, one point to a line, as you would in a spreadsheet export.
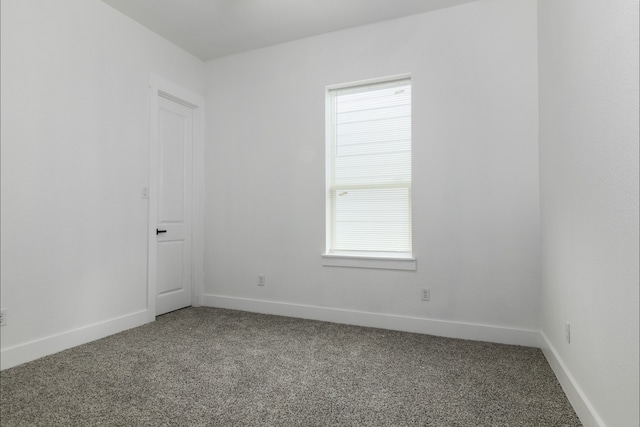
159	87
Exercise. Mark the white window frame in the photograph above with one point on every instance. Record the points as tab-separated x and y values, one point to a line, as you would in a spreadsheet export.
379	260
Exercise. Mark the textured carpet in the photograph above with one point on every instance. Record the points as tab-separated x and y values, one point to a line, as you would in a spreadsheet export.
214	367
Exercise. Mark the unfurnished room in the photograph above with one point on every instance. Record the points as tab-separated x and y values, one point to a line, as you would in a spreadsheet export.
319	213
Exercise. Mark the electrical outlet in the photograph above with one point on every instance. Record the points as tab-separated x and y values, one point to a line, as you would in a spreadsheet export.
262	279
425	294
3	317
567	332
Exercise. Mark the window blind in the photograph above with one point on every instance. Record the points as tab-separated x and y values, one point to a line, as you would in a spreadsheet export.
370	172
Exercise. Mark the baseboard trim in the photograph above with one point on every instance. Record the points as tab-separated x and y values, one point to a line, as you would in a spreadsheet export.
585	411
468	331
26	352
23	353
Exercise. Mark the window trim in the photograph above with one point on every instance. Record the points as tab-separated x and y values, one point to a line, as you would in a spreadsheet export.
376	260
370	261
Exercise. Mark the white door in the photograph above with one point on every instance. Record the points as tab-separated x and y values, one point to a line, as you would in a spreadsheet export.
173	228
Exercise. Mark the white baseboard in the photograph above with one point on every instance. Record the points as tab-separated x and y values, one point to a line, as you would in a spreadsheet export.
585	411
468	331
29	351
32	350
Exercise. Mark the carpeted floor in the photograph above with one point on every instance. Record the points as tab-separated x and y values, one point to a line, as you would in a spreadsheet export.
215	367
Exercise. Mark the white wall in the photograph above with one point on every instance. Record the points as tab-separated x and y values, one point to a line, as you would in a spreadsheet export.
75	157
476	217
75	116
589	199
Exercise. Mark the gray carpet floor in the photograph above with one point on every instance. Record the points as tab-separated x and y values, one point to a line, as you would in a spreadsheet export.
215	367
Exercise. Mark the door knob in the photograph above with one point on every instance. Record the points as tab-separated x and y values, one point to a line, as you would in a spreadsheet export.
160	231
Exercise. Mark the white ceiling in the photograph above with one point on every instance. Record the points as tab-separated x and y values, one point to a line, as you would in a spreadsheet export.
214	28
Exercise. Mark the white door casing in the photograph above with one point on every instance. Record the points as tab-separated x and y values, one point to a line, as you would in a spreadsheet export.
175	264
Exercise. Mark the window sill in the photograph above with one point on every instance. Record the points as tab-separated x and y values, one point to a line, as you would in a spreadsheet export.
379	262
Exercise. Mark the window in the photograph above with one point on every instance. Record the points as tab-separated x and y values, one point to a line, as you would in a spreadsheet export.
369	170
